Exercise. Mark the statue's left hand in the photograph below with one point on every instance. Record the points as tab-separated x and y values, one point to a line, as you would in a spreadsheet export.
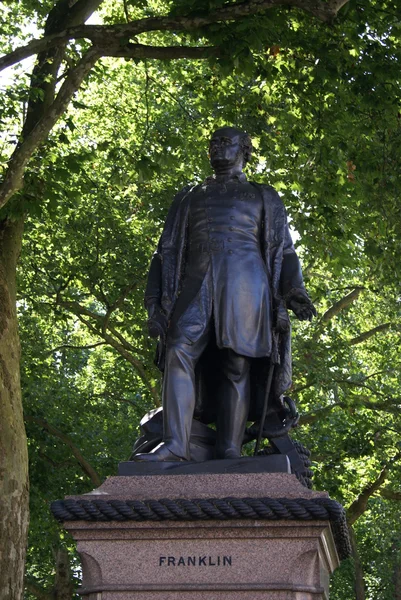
299	302
157	322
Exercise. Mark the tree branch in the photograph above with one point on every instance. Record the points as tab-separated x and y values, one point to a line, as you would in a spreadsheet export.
38	591
111	396
79	310
44	75
116	340
126	13
341	304
159	52
368	334
62	17
72	347
124	293
99	34
66	13
135	363
360	384
84	464
388	405
57	465
308	419
359	506
14	176
390	494
115	40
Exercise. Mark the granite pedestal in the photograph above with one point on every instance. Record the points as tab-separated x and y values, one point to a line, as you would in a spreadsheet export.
181	537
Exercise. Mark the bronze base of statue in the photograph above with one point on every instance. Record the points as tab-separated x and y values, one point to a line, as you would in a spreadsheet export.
273	463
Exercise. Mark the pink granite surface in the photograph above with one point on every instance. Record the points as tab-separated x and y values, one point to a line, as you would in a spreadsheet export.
240	485
211	595
280	559
185	562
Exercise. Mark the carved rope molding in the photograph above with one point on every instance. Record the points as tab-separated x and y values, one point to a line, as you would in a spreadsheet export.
272	509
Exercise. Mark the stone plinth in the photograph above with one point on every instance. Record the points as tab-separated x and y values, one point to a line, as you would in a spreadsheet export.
246	536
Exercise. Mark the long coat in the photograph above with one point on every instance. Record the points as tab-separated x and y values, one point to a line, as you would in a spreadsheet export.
284	274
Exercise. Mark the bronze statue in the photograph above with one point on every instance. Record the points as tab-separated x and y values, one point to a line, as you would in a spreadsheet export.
220	282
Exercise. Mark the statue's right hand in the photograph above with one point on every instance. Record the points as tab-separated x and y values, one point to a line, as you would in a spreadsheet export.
157	322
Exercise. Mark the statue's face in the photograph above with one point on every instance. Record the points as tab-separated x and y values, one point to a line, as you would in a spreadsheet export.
225	148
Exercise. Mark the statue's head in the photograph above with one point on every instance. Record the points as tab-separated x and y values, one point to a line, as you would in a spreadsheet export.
229	147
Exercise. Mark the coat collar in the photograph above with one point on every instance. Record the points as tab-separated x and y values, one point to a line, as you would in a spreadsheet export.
213	179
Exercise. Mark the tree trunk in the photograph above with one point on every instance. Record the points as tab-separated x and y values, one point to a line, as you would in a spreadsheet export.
359	582
14	511
63	585
63	588
397	574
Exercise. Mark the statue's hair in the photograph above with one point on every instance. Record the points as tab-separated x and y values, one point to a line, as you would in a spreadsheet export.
246	145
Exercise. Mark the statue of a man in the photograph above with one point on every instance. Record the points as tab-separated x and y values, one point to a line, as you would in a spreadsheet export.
224	273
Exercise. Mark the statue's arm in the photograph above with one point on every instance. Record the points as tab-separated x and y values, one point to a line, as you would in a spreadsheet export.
153	289
291	272
157	320
292	284
291	287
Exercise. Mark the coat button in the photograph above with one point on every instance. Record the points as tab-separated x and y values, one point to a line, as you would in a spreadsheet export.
232	218
230	239
231	228
232	206
230	251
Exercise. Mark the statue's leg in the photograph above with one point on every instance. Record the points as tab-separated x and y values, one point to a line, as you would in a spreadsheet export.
234	402
179	390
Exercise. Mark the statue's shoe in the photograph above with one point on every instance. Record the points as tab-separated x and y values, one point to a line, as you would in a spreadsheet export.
228	453
160	454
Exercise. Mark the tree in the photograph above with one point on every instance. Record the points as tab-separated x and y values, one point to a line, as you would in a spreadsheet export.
311	89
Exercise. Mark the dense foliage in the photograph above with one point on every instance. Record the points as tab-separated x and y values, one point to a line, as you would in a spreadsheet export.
322	103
